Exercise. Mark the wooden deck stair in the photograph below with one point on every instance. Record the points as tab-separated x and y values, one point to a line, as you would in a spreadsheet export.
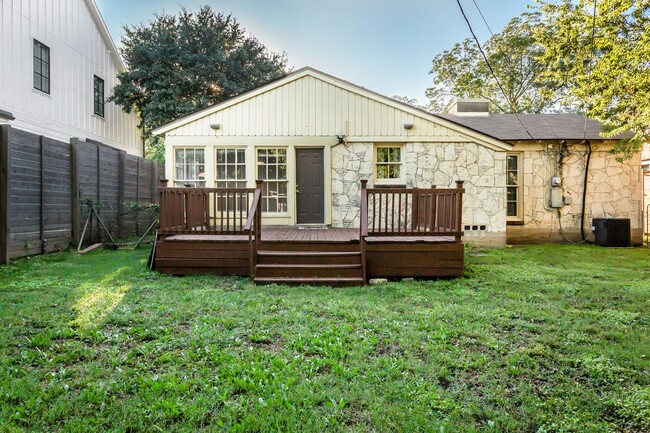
337	264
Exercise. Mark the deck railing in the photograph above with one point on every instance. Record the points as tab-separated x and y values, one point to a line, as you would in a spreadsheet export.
411	211
213	211
205	210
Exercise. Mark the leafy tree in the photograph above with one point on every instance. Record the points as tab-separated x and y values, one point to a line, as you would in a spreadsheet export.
410	101
604	63
514	56
179	64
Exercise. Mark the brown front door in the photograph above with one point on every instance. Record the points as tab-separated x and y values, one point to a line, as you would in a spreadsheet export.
310	186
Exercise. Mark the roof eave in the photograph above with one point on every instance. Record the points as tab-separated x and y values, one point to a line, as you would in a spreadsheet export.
105	33
482	138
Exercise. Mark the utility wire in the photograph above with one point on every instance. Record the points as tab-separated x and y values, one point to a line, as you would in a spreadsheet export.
483	17
494	75
591	59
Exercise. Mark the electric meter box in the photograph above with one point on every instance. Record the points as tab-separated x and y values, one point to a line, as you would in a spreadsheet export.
557	197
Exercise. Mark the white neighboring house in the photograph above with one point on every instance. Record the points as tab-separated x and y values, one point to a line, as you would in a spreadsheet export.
59	65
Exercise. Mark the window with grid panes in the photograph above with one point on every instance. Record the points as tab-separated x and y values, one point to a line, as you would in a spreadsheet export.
513	185
190	167
230	172
231	168
41	67
272	168
98	96
388	164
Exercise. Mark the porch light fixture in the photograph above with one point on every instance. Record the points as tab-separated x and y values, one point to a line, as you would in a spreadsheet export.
215	126
408	125
341	139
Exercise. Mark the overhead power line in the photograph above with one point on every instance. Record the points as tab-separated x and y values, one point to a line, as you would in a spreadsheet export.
483	17
591	59
494	75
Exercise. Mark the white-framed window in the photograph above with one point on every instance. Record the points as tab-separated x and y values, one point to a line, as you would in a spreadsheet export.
190	167
513	186
389	163
230	170
272	168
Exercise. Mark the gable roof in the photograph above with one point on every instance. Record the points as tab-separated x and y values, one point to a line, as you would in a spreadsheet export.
508	127
105	33
345	85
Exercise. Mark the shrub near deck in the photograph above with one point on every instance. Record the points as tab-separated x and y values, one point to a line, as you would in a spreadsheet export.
538	339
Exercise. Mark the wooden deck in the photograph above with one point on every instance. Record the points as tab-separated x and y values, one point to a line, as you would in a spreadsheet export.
316	256
408	233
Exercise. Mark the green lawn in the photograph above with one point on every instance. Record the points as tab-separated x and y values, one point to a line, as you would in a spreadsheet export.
532	339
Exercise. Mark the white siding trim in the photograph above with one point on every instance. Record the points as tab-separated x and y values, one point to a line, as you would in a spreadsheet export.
315	109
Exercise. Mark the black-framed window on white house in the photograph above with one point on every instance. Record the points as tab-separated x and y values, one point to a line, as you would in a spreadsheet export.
41	67
98	96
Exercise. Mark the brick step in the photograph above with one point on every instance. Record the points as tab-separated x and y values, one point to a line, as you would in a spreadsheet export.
293	270
298	281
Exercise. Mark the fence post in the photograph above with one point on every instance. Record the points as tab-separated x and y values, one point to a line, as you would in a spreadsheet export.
121	178
137	197
74	188
154	180
459	209
42	201
99	192
5	185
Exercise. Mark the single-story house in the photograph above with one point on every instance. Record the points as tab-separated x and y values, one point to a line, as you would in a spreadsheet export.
313	137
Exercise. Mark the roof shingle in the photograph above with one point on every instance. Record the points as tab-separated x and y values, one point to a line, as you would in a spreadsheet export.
507	127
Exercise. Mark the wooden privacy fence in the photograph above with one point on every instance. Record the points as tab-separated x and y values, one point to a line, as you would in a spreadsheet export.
47	187
412	211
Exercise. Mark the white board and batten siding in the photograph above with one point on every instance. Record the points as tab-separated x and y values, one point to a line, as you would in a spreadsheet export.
310	106
80	48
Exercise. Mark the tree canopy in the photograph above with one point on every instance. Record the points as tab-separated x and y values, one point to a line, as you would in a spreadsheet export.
179	64
514	55
603	62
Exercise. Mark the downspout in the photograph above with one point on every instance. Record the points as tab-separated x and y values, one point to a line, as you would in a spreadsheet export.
584	193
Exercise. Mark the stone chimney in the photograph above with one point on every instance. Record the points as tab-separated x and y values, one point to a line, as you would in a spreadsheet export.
470	107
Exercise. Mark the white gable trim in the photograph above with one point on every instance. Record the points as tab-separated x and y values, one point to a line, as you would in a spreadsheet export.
105	33
465	132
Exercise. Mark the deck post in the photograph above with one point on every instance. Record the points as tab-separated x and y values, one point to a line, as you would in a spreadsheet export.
459	209
258	212
257	228
363	226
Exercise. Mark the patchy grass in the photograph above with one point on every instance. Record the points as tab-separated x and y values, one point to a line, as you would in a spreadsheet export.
532	339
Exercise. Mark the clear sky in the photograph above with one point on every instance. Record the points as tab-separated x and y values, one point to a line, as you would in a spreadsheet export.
384	45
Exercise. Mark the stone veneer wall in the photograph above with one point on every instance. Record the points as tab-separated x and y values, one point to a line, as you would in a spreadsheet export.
440	164
614	190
